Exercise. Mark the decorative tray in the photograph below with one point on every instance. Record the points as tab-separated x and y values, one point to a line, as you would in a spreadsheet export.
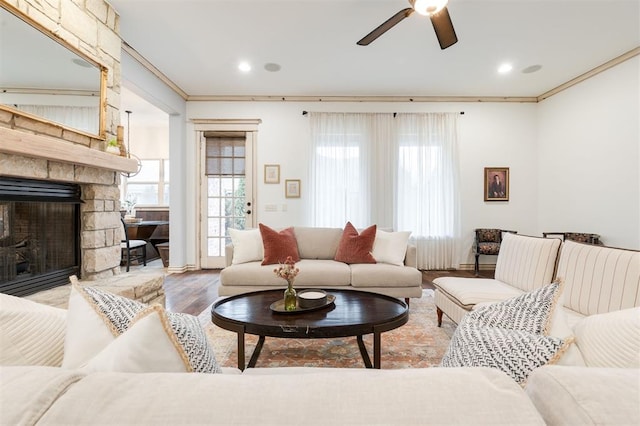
278	306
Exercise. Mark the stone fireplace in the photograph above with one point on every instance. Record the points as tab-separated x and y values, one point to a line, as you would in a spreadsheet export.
41	150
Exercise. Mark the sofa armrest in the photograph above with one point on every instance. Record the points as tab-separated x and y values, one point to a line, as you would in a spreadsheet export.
411	258
228	254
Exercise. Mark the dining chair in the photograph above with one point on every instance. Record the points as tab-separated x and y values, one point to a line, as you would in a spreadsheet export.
132	249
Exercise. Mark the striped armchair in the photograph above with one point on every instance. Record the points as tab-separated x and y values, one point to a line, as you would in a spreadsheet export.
524	264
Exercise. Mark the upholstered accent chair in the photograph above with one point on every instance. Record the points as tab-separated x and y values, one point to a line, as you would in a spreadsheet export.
524	264
581	237
487	241
132	249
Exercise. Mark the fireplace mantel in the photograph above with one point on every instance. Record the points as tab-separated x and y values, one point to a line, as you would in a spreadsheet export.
38	146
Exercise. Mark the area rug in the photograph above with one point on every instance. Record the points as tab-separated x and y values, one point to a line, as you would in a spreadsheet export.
419	343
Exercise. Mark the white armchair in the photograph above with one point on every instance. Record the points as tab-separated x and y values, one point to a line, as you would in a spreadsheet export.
524	264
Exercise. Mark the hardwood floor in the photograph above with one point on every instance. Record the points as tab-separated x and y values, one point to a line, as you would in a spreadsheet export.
192	292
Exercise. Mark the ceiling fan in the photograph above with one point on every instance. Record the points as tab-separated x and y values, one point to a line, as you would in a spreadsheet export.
435	9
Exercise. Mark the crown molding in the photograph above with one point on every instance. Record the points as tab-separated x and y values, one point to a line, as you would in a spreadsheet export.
591	73
275	98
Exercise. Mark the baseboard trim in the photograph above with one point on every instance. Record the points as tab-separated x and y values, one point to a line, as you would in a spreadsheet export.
472	267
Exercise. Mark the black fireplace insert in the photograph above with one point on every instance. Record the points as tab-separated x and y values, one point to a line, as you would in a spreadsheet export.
39	234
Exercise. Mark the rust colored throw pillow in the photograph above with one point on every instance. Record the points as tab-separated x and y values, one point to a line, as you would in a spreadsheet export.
354	247
278	245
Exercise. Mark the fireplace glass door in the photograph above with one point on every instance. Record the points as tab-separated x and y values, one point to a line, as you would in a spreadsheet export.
38	245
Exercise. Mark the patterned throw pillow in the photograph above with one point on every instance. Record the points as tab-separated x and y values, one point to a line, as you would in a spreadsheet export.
106	332
530	312
158	341
509	335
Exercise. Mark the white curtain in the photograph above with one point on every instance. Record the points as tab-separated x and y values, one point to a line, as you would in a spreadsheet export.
428	187
398	171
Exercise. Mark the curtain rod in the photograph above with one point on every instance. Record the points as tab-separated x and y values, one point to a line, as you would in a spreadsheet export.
394	114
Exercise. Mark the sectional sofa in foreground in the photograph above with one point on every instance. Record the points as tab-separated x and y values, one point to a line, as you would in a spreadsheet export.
111	360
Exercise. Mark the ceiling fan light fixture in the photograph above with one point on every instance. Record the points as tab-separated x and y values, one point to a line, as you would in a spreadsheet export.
428	7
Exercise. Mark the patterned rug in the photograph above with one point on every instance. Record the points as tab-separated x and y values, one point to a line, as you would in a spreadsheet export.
419	343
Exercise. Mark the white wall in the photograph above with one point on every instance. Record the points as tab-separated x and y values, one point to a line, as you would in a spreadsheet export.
490	135
182	250
589	150
573	159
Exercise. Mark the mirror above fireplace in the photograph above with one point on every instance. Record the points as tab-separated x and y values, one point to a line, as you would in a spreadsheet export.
46	79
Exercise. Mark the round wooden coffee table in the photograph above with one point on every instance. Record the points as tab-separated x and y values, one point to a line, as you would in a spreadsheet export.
354	313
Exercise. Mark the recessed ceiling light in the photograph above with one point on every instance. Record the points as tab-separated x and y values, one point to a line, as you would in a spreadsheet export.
272	67
532	68
244	66
505	68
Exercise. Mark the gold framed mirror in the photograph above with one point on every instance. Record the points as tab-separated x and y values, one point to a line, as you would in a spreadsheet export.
44	78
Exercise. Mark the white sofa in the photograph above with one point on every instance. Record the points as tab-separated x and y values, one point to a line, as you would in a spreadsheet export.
597	380
53	396
318	269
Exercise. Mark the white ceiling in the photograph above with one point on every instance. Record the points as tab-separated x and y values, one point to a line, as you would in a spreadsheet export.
198	44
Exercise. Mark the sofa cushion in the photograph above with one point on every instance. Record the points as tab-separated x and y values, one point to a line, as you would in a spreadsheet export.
94	319
28	392
611	339
31	333
247	245
316	273
331	397
526	262
278	245
599	279
384	275
390	247
586	395
158	341
354	247
507	335
467	292
313	273
317	243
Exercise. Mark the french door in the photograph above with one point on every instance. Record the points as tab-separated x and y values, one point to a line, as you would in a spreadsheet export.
226	196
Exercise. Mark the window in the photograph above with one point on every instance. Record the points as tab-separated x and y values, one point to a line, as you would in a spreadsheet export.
150	187
398	171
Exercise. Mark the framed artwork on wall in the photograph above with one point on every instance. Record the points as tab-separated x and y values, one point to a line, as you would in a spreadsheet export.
292	188
496	184
271	173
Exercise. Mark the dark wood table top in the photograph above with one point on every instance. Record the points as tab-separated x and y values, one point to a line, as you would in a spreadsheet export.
354	313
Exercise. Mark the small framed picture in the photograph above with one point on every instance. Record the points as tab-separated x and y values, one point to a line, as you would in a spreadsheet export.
271	173
496	184
292	188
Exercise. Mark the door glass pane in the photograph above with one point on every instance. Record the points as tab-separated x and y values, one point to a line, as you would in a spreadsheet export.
225	170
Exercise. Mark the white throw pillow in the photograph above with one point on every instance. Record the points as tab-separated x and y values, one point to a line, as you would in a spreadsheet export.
157	342
107	332
247	245
30	333
559	327
390	247
611	339
94	319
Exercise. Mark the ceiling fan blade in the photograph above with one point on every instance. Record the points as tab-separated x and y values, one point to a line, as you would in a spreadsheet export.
444	28
386	26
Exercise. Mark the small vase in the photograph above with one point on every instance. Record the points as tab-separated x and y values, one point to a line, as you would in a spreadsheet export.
290	297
